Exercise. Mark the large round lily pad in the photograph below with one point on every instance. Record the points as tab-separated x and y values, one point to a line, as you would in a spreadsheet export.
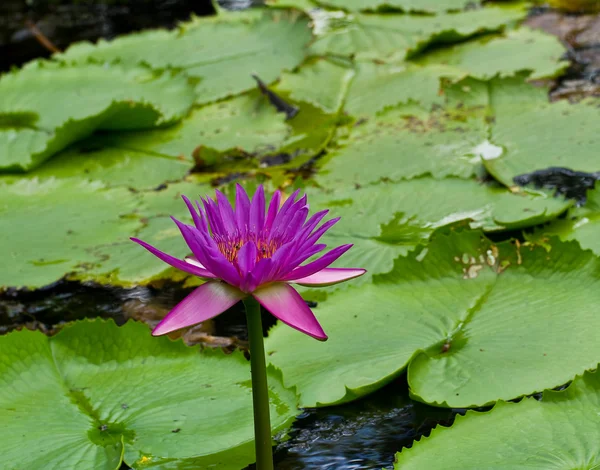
386	220
83	98
57	227
561	431
477	323
263	43
96	394
391	38
535	134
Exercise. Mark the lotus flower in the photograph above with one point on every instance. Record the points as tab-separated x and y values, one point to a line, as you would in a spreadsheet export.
245	251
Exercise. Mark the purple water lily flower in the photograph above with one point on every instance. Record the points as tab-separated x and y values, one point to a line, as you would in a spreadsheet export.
245	251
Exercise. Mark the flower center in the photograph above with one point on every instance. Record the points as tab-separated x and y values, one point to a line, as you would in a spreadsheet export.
231	246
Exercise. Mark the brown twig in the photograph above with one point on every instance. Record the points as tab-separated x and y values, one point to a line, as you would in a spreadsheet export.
43	40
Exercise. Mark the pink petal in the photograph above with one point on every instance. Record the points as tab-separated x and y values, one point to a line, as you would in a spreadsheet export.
199	271
317	265
312	223
242	208
198	220
317	234
214	216
259	274
257	210
226	211
194	262
205	302
329	276
208	255
285	303
287	212
272	211
246	258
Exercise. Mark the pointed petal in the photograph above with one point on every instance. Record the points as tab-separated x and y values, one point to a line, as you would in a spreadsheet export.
213	216
194	262
280	258
246	258
287	212
273	208
242	209
257	210
289	227
285	303
317	234
198	220
258	275
207	301
329	276
303	256
226	211
176	262
211	258
316	266
312	223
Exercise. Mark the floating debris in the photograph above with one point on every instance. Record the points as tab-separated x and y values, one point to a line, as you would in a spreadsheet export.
280	104
569	183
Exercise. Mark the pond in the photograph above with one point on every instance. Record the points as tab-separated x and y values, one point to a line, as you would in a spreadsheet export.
462	159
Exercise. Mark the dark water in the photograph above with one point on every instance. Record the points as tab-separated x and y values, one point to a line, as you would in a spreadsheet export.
580	34
361	435
63	22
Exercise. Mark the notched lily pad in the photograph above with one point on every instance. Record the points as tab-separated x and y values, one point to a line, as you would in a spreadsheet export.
96	394
459	314
490	440
487	57
386	220
263	43
392	38
242	128
100	97
537	134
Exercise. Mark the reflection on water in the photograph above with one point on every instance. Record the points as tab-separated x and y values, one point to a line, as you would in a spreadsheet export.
361	435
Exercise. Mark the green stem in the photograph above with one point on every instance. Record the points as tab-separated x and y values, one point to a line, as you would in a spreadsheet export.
260	389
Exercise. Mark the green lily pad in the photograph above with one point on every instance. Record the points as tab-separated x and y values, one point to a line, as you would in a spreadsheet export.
238	128
378	87
510	344
321	83
125	263
477	323
96	394
525	435
302	5
375	329
92	160
386	220
318	90
421	6
401	144
391	38
252	42
244	132
487	57
581	224
80	229
535	134
100	97
49	225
